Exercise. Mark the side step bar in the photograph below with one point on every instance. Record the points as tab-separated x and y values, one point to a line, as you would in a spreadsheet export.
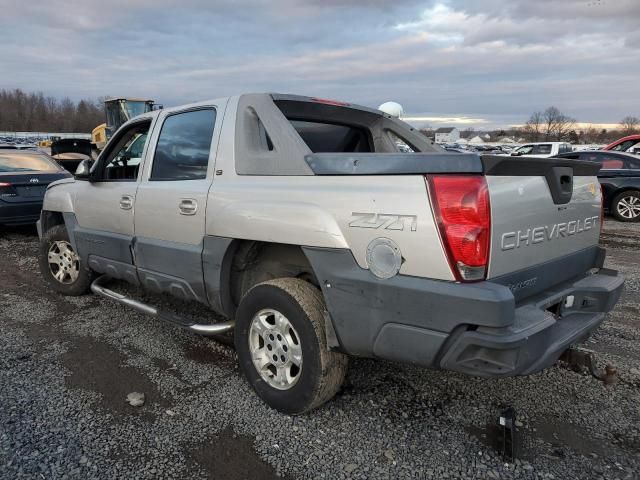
202	329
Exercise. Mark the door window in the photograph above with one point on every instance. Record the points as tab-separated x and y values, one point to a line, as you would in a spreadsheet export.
609	162
121	161
182	152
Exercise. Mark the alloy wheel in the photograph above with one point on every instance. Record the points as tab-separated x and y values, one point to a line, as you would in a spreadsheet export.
64	263
275	349
629	207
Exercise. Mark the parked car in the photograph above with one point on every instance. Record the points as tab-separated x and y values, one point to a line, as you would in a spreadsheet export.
620	180
24	176
624	144
542	149
301	221
69	152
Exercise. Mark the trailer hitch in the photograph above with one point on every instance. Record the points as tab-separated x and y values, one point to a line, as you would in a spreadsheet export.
578	358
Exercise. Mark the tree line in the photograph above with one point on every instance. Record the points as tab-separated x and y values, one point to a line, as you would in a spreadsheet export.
553	125
33	112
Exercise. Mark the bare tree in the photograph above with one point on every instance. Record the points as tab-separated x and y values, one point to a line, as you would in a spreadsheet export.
532	130
630	125
557	125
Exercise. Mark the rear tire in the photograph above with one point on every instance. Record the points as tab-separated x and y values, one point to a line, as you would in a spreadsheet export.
280	326
60	265
625	206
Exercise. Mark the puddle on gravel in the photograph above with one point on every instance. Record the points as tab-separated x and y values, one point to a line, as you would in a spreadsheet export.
564	434
231	457
556	432
100	368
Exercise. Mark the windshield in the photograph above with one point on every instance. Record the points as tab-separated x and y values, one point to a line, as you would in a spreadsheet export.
136	108
18	162
626	145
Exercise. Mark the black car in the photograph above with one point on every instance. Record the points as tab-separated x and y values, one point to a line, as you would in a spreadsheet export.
24	176
620	180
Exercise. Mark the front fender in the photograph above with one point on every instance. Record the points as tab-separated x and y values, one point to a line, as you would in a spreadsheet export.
59	197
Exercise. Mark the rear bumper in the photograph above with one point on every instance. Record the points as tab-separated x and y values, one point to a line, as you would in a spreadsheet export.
537	336
20	213
478	328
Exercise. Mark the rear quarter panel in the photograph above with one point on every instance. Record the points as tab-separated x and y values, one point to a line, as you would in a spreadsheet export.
345	212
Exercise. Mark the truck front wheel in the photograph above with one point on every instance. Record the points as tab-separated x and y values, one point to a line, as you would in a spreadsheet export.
60	264
282	347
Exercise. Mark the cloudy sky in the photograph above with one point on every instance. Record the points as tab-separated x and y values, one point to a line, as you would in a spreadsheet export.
485	63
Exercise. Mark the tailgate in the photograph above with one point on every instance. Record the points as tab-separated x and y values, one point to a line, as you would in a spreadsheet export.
543	211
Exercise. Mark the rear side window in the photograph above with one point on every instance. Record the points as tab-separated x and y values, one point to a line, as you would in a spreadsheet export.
182	152
401	144
332	138
632	163
542	149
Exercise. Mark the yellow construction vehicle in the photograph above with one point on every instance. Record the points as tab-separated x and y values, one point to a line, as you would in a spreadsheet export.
118	111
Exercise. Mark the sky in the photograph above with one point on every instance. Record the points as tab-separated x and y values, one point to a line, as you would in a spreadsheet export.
484	64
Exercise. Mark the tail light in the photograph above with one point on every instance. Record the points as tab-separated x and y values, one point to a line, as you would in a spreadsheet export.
7	190
461	207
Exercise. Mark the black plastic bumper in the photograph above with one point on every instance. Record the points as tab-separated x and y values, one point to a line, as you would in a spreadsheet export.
20	213
476	328
542	329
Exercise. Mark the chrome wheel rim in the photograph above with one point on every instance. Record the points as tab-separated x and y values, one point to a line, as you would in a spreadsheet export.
64	263
629	207
275	349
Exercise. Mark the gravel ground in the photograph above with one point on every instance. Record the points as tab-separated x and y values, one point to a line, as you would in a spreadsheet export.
67	365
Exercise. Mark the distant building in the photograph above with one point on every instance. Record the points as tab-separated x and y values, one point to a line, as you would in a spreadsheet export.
447	135
476	140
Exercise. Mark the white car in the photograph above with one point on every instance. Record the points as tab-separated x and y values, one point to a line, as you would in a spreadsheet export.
542	149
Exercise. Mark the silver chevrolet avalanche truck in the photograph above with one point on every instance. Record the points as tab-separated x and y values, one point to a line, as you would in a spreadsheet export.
323	230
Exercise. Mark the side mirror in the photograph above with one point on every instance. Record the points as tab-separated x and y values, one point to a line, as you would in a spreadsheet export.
83	171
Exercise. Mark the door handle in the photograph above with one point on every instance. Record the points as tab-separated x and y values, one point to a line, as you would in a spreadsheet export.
188	206
126	202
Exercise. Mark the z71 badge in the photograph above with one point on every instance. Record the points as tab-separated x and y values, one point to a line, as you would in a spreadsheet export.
386	221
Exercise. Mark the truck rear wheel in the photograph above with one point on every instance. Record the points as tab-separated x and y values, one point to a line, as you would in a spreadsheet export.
60	265
282	347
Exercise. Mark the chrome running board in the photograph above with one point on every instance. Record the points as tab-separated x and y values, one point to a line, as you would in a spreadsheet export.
202	329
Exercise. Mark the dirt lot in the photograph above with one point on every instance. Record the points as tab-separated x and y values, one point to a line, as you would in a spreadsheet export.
67	365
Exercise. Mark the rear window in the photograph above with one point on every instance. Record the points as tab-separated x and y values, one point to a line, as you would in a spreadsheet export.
19	162
332	138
